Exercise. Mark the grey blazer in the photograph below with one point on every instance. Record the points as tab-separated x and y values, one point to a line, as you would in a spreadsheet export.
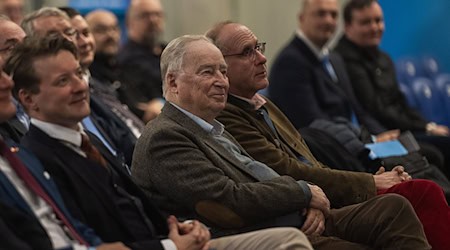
182	167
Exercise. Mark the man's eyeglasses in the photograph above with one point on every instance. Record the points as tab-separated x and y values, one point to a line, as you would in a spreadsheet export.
251	52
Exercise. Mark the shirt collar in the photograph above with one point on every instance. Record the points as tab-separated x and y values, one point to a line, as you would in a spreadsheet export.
319	52
59	132
256	102
216	128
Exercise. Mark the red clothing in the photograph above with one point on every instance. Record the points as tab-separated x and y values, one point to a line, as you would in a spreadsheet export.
431	207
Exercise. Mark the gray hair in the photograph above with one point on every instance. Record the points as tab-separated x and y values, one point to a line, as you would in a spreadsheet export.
172	58
27	22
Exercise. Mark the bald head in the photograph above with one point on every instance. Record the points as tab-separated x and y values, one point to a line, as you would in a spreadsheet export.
145	21
105	29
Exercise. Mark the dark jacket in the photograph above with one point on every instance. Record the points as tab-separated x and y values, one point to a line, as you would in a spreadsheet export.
87	198
373	78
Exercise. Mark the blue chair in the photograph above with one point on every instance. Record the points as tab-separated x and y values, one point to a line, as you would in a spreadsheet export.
430	66
408	69
429	100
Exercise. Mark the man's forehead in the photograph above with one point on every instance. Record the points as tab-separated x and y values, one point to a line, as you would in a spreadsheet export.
237	36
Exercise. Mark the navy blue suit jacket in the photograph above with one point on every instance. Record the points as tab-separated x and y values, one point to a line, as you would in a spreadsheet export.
86	196
11	197
304	91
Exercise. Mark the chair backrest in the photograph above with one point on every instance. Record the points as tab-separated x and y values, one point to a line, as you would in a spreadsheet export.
430	66
429	100
408	69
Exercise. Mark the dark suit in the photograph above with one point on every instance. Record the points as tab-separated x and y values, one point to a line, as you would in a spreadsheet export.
304	91
184	166
81	183
11	197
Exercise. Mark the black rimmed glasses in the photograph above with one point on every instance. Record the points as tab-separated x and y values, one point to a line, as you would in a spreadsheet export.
251	52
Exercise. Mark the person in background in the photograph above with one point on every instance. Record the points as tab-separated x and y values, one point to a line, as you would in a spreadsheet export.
140	55
373	78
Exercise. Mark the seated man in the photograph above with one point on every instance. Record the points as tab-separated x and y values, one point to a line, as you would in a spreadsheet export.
268	136
102	121
95	187
32	212
373	78
193	167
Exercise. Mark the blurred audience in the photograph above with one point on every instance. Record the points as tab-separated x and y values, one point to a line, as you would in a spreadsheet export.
312	87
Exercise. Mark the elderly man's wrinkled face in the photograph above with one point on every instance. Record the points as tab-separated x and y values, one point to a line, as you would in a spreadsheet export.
367	26
202	85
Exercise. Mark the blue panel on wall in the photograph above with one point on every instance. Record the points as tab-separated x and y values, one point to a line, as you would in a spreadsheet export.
417	27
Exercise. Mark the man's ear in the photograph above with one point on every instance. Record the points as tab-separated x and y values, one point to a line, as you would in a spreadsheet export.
171	83
27	99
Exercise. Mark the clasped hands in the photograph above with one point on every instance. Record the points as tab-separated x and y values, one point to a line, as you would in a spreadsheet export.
188	236
318	211
385	180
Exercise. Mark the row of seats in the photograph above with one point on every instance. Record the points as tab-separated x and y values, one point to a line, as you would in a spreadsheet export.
426	87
